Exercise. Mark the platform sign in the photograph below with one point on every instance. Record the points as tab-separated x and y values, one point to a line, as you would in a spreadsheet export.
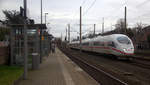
42	37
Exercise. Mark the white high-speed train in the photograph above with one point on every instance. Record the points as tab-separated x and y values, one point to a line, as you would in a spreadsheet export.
115	44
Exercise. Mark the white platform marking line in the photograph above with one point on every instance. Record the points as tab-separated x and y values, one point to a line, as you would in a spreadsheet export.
66	74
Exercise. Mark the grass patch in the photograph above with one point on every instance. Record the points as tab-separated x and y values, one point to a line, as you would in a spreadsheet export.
8	74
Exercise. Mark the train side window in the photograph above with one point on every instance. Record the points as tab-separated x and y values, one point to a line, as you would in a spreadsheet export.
85	44
111	44
96	43
82	44
101	43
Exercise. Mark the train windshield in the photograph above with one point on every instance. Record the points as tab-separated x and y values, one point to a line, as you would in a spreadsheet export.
123	40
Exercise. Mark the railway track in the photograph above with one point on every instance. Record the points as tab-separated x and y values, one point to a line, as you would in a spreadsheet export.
129	72
143	63
99	75
135	72
137	61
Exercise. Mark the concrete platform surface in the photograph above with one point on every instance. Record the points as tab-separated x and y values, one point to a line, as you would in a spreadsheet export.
58	69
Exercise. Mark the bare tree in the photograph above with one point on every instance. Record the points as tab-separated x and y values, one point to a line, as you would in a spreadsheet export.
120	26
13	17
139	27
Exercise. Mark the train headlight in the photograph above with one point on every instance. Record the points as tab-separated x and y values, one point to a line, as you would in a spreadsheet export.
124	49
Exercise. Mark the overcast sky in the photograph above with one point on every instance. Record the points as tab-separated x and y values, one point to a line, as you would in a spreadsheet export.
63	12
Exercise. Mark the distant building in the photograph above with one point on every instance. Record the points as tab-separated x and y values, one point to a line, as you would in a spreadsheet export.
141	38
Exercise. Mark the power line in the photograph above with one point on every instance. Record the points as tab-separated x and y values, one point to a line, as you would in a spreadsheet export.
115	12
89	7
86	10
125	3
141	16
141	4
83	2
88	29
75	13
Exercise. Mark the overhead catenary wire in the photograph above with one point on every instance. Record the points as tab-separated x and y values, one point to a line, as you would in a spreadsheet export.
83	2
89	7
144	18
76	12
143	3
115	13
84	31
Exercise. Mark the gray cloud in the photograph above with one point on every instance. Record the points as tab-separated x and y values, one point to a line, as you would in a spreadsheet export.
143	3
62	12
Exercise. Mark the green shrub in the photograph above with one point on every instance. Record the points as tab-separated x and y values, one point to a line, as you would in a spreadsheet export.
9	74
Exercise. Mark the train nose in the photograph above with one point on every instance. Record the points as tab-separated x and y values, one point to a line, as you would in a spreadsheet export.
128	50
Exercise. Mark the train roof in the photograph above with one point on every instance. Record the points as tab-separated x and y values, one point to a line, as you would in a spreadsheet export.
107	37
113	36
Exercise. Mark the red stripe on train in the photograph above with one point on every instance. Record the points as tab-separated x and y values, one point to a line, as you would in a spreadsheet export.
110	48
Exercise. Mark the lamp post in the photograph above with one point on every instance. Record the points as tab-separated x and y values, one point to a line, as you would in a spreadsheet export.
41	32
41	11
25	43
45	17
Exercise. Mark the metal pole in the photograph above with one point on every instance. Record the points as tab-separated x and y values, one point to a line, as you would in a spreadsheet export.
103	26
12	46
25	9
41	45
25	52
25	43
94	29
41	12
68	33
20	46
80	28
61	36
41	35
45	17
125	19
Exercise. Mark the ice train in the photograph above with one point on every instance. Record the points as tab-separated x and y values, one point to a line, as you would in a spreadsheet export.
115	44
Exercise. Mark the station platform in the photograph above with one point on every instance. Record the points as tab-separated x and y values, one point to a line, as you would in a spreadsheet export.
58	69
